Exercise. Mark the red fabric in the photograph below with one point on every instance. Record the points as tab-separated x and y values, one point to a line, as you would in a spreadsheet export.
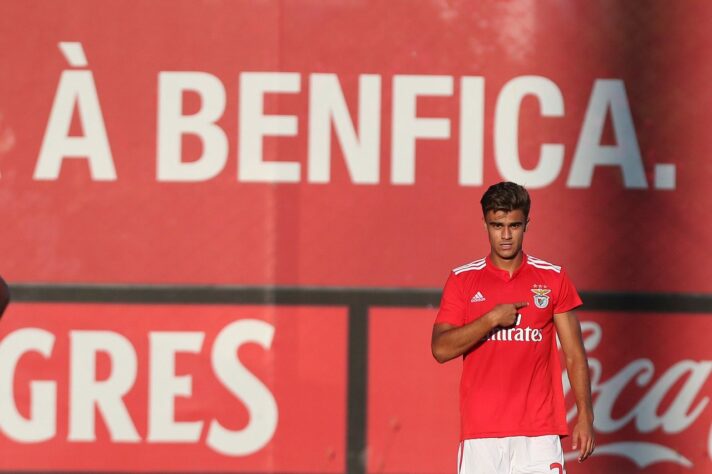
511	382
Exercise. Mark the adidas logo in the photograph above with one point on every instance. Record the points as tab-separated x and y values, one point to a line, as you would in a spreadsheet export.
477	298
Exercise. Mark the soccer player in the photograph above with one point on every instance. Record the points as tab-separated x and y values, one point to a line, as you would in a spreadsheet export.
499	313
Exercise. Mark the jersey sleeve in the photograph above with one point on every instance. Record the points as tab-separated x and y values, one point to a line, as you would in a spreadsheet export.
568	298
452	304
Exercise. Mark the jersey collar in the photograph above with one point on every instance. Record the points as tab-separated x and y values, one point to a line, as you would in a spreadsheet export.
504	274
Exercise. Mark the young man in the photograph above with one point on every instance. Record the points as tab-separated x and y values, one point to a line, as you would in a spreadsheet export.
499	313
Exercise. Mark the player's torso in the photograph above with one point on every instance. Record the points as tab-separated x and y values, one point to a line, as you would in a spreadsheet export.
508	377
488	287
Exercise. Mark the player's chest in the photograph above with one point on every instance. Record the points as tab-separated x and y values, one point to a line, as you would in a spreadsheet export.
485	293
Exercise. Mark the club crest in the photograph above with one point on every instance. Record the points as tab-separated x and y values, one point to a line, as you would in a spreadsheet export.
541	296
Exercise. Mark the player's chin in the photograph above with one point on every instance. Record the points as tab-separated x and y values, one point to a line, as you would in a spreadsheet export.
507	252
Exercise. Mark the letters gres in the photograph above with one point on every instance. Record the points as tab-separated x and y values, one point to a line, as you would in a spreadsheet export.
215	382
88	393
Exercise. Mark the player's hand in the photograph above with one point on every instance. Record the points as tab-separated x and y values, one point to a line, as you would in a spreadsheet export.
506	314
583	439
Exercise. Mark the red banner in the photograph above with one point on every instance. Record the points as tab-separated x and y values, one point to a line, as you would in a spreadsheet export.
650	380
172	388
239	388
338	144
298	143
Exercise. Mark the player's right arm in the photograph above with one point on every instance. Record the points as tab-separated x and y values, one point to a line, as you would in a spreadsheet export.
449	341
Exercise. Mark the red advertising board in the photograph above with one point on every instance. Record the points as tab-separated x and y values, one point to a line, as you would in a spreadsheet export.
314	146
650	380
167	388
313	143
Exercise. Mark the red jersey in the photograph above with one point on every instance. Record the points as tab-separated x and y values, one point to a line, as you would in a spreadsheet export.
511	380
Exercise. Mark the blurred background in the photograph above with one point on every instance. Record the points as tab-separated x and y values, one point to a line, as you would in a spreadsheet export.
226	224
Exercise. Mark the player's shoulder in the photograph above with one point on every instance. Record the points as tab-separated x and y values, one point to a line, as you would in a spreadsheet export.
545	266
474	266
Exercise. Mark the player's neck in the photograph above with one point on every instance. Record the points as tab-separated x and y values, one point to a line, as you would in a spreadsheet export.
507	264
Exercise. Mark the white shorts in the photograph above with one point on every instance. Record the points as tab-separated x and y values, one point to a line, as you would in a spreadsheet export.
512	455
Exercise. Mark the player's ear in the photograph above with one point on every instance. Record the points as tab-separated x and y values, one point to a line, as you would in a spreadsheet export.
526	224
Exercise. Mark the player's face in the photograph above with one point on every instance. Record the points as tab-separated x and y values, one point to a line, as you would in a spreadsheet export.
506	232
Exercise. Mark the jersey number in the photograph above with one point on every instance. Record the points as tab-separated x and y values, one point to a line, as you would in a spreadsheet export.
557	466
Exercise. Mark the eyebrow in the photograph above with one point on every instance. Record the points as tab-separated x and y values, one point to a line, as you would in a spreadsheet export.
502	223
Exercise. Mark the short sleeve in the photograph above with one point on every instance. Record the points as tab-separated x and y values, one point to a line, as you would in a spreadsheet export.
568	297
452	304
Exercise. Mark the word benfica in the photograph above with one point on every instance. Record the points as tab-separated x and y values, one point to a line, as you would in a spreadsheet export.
355	124
527	334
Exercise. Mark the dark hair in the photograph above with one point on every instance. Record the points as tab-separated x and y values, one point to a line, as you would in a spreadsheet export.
506	196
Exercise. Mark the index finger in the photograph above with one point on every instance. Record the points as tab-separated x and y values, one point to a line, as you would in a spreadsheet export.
521	304
584	448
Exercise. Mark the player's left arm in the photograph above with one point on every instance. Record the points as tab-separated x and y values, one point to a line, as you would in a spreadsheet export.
569	331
